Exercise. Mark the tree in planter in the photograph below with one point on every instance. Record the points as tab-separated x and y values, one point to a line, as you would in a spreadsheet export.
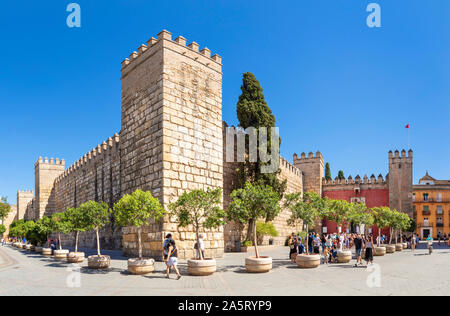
359	215
251	203
265	229
29	227
78	222
339	211
253	112
36	236
136	210
45	226
381	216
306	208
2	229
97	215
17	229
61	225
405	224
199	208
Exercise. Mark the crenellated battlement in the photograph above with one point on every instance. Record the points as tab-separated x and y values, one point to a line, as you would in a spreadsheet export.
397	156
286	165
192	50
51	161
310	156
25	192
110	144
357	180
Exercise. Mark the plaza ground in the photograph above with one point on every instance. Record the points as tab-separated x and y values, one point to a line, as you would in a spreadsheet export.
402	273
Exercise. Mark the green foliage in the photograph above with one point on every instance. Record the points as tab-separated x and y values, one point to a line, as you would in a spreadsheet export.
137	208
412	226
5	208
44	227
77	220
2	229
253	111
340	211
307	208
253	202
199	208
247	243
17	229
327	172
341	175
266	229
359	215
97	214
61	223
382	216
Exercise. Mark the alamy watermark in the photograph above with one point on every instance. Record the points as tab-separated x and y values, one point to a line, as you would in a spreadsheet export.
73	280
374	18
236	143
374	278
74	18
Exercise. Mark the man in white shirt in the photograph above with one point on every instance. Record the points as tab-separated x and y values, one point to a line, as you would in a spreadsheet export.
201	247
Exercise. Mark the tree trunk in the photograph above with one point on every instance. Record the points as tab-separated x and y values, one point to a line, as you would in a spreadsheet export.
307	239
250	231
76	241
254	236
59	239
390	237
379	237
140	242
98	242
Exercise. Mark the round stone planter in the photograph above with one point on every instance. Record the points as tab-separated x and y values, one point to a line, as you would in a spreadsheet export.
96	262
202	267
344	256
379	251
28	247
38	249
33	248
141	266
75	257
390	248
405	245
308	262
24	246
61	254
47	252
258	265
16	245
398	247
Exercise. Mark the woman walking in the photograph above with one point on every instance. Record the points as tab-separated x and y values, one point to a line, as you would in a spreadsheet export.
369	249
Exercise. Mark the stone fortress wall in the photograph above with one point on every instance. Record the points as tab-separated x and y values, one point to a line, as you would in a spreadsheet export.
171	141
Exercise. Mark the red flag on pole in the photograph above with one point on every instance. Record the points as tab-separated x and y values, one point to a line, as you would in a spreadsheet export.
407	126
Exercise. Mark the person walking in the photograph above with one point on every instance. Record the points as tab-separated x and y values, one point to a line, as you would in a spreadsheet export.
310	243
413	242
369	249
172	259
293	248
200	247
358	242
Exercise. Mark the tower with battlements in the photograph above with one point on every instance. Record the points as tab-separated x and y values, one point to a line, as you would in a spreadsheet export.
312	168
401	181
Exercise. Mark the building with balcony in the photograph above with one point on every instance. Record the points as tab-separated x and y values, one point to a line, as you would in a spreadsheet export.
431	206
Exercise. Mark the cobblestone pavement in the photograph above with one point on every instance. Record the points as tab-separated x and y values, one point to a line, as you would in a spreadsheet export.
403	273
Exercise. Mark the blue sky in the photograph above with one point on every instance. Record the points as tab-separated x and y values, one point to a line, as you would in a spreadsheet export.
334	84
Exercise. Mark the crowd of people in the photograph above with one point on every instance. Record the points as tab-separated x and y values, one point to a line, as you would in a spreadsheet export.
328	245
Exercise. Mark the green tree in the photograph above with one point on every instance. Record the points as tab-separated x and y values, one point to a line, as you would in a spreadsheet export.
306	208
359	215
199	208
340	211
327	172
5	208
17	229
253	111
97	214
45	226
251	203
61	225
79	222
382	218
341	175
137	209
265	229
2	229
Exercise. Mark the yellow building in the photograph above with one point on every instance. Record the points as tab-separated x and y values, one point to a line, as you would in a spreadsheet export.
431	199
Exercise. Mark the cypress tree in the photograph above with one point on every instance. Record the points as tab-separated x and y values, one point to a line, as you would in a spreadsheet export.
327	172
253	111
341	175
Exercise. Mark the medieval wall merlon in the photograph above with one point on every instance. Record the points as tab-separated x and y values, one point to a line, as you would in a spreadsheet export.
312	168
286	166
191	51
24	198
364	183
400	180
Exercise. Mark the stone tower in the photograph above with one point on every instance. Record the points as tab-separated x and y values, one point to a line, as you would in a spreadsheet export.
171	137
312	168
23	198
45	173
401	181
